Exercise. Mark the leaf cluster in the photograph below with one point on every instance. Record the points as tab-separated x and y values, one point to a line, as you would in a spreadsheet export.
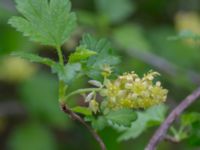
51	22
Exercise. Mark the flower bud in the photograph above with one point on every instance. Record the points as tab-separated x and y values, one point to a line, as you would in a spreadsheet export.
89	96
106	71
95	83
94	106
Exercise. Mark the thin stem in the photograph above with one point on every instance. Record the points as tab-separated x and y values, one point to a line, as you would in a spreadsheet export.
61	83
62	90
173	130
60	56
68	111
176	112
79	91
171	139
74	116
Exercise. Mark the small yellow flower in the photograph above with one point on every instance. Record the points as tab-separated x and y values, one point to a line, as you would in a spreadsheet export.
94	106
106	71
131	91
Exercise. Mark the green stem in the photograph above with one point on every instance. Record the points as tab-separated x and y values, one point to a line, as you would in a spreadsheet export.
61	83
79	91
62	90
62	99
174	131
60	56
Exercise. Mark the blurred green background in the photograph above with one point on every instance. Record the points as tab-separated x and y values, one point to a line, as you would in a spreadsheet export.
140	31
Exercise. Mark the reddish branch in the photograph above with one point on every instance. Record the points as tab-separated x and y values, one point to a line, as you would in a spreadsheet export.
76	117
161	132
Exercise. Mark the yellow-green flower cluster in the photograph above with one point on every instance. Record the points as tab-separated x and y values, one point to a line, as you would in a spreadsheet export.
131	91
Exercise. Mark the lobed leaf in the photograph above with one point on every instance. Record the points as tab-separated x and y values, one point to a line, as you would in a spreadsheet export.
34	58
82	110
194	137
104	55
80	54
68	72
49	22
151	117
189	118
100	123
122	117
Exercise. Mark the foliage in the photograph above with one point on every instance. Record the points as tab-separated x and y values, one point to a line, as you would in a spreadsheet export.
50	23
47	22
80	54
137	30
151	117
189	128
102	47
34	58
121	117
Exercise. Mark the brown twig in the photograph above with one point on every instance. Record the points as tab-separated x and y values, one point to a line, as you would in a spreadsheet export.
74	116
161	131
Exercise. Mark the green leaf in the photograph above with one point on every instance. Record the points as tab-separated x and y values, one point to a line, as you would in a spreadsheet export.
103	49
155	115
67	73
12	40
70	72
194	137
122	117
104	55
191	121
144	120
48	22
34	58
100	123
189	118
81	53
136	128
89	118
82	110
